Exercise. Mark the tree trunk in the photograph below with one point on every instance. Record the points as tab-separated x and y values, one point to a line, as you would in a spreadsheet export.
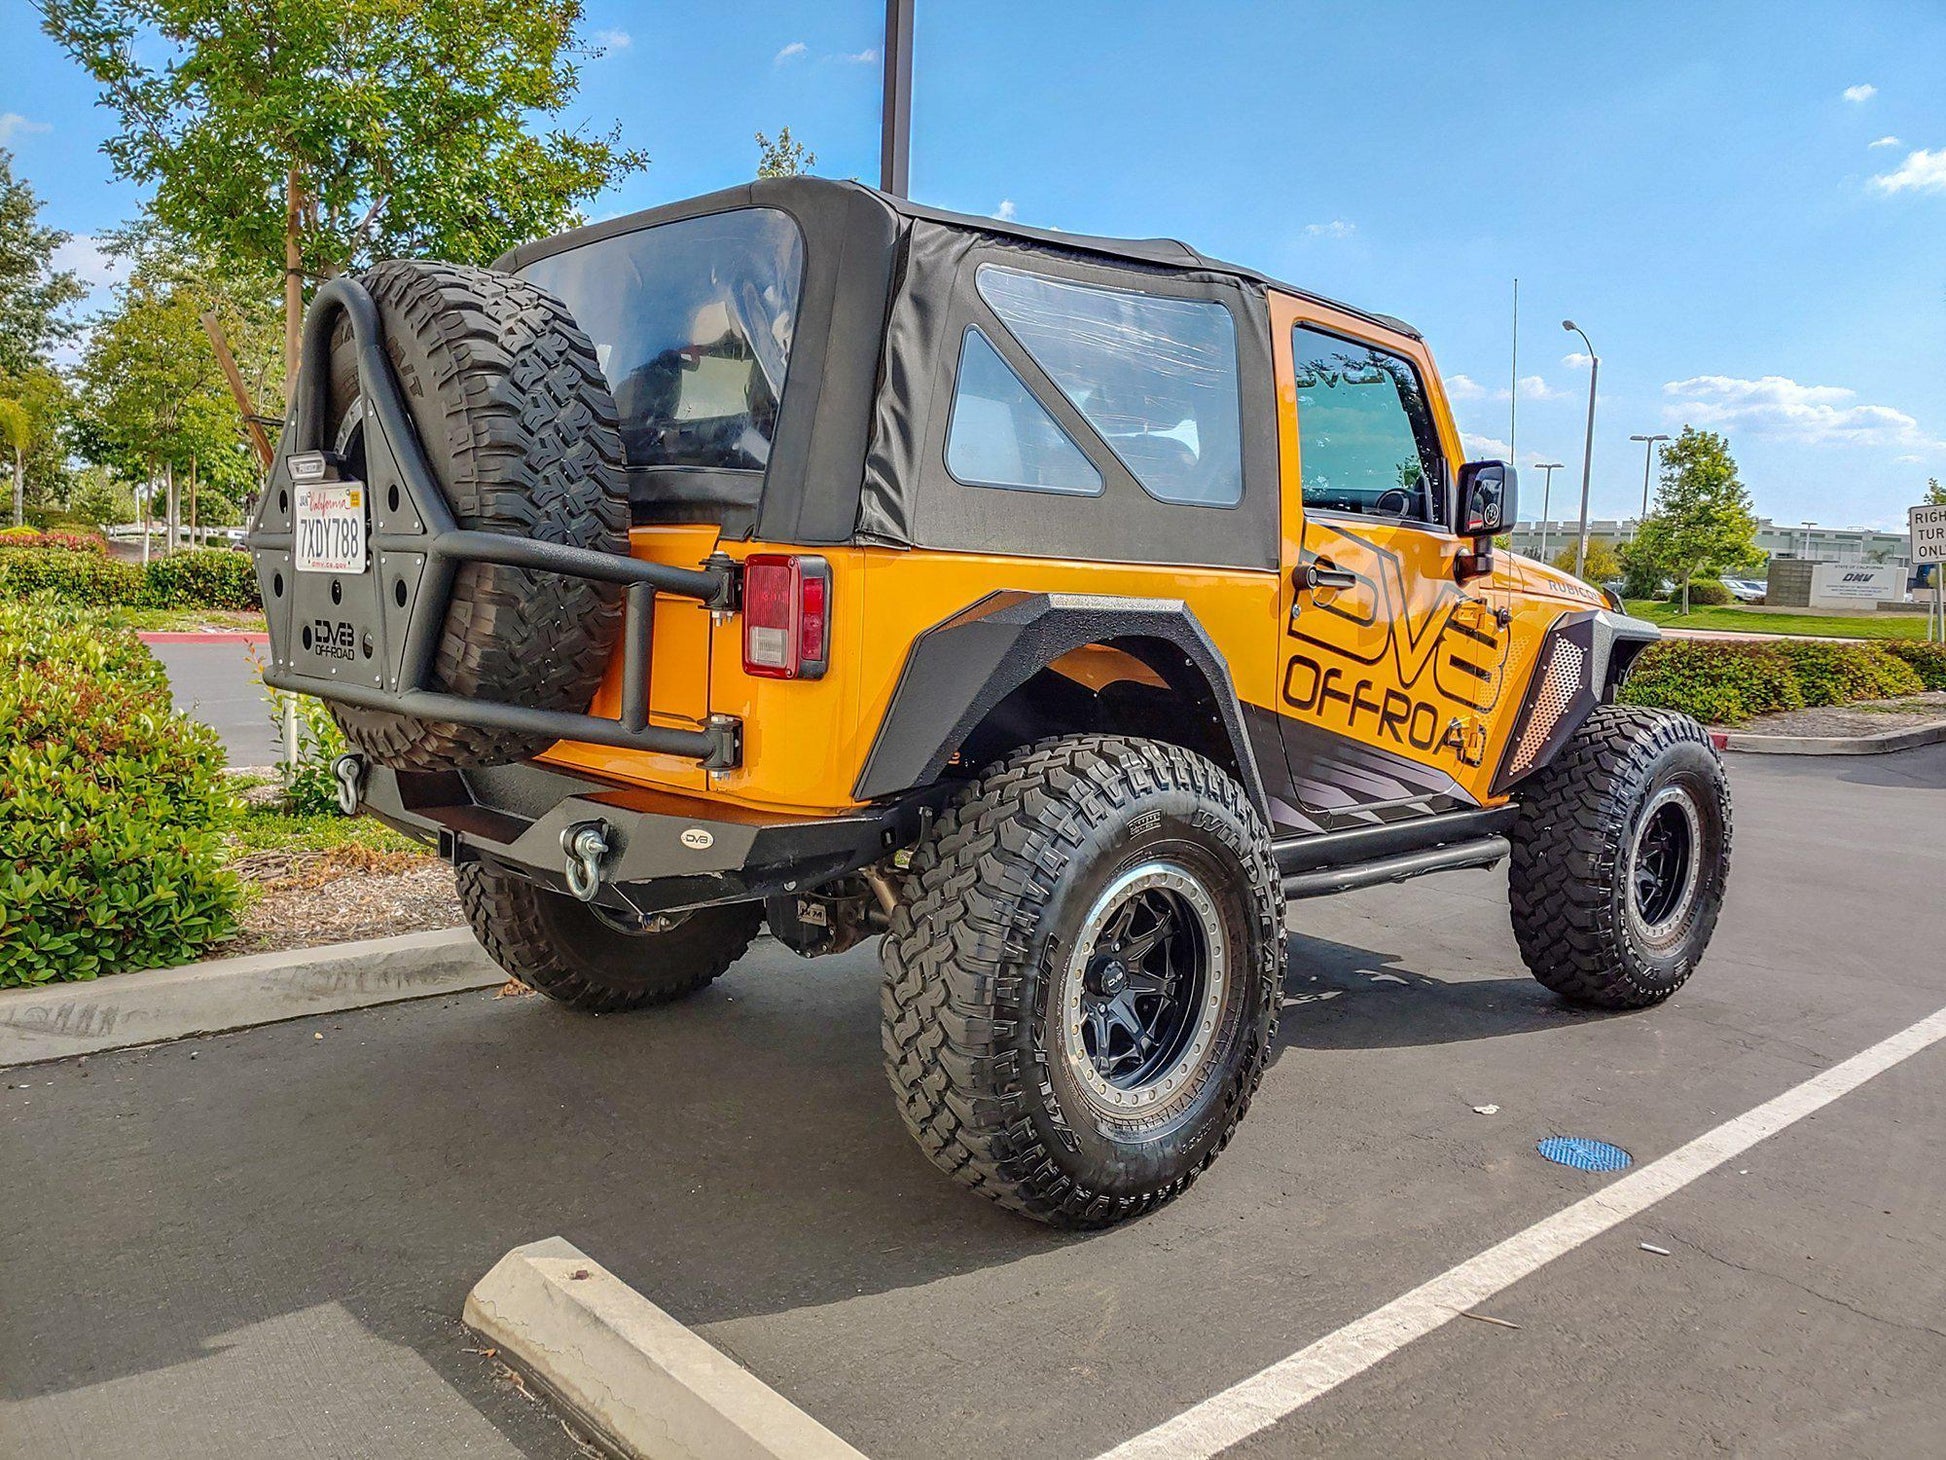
1685	595
171	507
293	281
148	491
192	503
20	489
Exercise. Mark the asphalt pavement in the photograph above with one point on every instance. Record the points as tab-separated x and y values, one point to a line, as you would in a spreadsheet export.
217	683
259	1243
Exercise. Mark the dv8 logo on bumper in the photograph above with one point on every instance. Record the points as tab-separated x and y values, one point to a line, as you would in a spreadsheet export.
332	640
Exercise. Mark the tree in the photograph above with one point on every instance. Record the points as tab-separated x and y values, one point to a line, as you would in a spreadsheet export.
1935	494
309	136
17	435
41	472
33	293
1603	563
785	157
1702	517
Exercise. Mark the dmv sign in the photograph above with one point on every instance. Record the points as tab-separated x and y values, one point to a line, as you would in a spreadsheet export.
1928	534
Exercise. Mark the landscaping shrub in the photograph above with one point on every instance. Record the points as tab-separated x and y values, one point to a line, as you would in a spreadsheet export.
79	578
112	806
1703	593
203	578
1836	674
1719	683
309	787
1928	661
54	537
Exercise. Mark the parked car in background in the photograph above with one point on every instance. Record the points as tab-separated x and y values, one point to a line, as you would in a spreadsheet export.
1746	590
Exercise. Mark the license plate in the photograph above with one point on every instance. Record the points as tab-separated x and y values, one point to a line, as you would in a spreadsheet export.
330	525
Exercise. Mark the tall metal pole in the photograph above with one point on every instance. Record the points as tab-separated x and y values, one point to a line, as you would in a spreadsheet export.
1547	490
895	136
1648	459
1587	450
1513	383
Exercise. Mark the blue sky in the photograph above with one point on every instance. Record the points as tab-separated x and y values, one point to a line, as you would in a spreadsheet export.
1744	205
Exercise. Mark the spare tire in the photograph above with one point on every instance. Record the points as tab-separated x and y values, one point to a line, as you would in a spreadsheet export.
520	432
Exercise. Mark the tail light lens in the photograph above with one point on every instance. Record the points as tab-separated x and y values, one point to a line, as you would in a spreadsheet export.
786	616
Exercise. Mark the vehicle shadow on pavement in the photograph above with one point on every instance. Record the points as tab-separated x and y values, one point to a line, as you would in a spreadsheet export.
1337	996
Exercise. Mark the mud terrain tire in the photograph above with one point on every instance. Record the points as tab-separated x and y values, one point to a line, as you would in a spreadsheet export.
560	947
1620	857
992	939
521	434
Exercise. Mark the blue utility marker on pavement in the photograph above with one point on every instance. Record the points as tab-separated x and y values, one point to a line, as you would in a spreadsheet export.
1584	1154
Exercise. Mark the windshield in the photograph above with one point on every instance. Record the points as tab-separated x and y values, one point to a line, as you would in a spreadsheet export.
692	325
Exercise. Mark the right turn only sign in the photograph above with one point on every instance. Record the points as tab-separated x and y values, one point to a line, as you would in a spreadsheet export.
1928	534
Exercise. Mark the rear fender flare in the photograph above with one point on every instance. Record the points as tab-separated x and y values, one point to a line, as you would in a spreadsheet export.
958	670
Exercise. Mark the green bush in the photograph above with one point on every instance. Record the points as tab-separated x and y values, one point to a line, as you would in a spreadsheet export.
1703	593
1837	674
79	578
1719	683
203	578
309	787
112	806
1928	661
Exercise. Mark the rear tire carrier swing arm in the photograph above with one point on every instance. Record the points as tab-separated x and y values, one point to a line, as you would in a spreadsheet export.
437	535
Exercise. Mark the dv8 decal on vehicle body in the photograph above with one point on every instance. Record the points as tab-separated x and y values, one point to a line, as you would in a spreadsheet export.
1402	660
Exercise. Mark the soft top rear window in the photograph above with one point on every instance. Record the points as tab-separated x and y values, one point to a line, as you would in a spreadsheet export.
692	324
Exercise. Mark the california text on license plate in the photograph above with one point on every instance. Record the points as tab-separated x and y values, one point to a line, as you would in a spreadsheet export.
330	527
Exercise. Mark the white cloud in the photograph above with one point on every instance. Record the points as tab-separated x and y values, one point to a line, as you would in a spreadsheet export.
860	58
1921	172
789	53
84	255
1862	93
1336	228
1886	141
1780	408
1575	360
1908	459
614	40
1532	387
1485	448
13	122
1464	387
1005	212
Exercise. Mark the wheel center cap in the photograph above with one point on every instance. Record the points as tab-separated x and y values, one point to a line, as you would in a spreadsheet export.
1111	977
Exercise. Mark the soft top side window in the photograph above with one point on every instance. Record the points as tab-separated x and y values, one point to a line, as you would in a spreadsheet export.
1156	376
1366	439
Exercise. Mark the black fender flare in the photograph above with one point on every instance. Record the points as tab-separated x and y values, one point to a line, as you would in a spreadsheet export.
1582	664
959	669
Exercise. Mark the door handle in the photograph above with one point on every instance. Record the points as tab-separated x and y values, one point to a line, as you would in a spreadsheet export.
1311	576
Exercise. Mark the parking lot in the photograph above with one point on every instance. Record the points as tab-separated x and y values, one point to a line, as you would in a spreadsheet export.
259	1243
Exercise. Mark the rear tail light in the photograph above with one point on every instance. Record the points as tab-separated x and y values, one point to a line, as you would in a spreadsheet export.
786	616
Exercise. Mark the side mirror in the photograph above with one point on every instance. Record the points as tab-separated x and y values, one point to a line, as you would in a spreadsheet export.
1488	497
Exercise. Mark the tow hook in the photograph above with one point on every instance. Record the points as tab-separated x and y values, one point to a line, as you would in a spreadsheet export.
348	770
585	844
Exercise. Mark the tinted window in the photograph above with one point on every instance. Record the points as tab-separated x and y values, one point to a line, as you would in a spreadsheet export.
1365	434
1000	436
1156	377
692	324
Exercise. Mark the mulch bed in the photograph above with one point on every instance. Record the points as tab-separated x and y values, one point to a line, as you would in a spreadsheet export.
1866	717
305	899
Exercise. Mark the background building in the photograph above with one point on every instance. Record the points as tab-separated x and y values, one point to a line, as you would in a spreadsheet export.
1865	545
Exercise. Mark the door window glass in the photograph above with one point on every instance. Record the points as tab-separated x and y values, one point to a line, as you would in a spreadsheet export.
1365	433
1155	376
1000	436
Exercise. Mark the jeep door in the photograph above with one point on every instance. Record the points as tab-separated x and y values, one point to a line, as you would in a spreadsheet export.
1390	671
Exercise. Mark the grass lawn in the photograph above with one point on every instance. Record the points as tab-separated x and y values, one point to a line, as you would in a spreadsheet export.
185	620
268	829
1760	621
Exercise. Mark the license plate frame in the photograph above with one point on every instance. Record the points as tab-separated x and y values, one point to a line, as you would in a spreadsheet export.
328	528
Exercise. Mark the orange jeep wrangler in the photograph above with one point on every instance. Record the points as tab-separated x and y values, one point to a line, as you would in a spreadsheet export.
1056	607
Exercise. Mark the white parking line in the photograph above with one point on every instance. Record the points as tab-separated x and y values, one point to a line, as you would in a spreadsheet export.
1270	1395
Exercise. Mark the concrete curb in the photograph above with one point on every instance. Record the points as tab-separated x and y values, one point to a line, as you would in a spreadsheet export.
1836	744
199	636
647	1386
234	993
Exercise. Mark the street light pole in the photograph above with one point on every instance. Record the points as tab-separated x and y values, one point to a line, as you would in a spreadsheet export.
1588	448
1547	489
895	136
1648	459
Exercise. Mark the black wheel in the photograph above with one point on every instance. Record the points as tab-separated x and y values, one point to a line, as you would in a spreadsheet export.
520	431
1620	857
1082	982
592	959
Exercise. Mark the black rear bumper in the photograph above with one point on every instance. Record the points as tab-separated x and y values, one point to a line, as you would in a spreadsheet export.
665	851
